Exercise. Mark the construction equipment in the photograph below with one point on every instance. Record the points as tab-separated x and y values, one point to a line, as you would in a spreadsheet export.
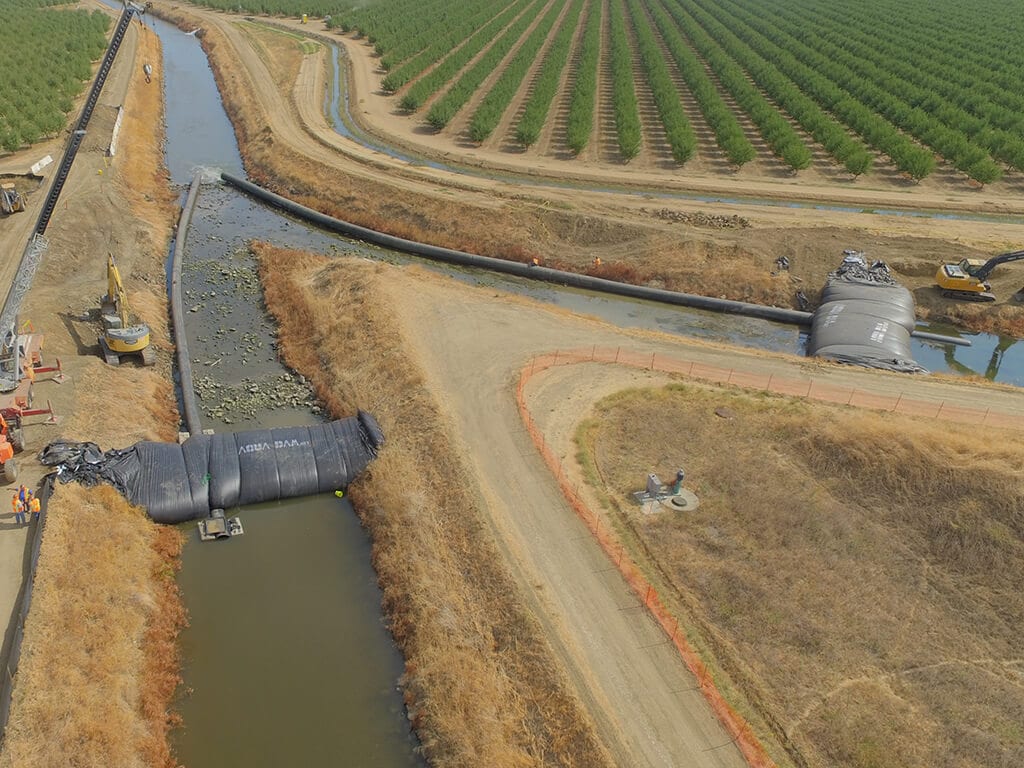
966	280
12	441
122	335
13	370
11	200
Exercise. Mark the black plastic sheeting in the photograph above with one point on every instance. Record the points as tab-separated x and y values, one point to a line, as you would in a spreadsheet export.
865	318
182	482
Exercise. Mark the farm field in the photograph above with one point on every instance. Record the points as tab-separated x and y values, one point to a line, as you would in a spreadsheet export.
470	342
893	91
801	82
48	51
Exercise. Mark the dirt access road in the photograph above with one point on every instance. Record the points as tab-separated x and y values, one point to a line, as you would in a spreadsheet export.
94	217
14	233
472	343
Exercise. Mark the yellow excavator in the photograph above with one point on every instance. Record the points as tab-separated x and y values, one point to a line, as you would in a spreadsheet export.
122	334
11	200
966	279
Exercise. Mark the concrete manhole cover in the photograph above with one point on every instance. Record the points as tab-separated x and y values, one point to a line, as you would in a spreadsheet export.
684	501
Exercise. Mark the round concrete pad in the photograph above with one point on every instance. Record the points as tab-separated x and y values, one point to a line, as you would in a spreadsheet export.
684	501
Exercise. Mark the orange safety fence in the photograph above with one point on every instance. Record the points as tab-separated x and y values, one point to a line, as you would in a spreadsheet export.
768	382
741	732
735	725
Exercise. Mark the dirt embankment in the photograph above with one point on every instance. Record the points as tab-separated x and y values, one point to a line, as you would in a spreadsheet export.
99	662
481	685
860	576
288	146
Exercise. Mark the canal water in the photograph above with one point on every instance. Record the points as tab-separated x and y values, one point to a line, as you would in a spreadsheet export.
287	660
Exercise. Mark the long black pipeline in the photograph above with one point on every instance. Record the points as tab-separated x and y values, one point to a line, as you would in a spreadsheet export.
436	253
188	393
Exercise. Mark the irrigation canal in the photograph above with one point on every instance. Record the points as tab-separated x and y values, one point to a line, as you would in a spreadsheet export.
287	660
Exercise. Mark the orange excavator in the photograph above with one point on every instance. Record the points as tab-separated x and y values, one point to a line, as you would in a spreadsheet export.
12	441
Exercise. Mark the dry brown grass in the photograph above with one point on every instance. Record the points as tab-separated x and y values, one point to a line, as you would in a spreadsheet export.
859	576
1006	320
281	50
99	660
481	685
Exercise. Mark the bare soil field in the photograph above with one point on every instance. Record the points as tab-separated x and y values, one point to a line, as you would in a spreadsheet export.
641	234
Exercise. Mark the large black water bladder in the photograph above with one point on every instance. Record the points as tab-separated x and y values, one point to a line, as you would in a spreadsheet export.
182	482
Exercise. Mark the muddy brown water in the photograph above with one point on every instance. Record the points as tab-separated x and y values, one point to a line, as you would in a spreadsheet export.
287	660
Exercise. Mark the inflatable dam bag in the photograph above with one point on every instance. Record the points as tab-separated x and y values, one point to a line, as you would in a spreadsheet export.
865	318
175	483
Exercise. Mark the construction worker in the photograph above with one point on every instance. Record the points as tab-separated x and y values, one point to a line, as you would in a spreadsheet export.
34	506
19	509
23	493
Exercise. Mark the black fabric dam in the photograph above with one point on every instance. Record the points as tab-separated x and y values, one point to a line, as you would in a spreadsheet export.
182	482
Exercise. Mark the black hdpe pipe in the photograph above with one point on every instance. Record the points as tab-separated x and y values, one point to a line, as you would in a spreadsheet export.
546	274
589	282
188	393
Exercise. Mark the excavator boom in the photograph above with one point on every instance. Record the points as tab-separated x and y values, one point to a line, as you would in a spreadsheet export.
121	335
986	269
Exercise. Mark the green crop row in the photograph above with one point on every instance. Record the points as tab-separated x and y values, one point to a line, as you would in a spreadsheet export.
678	130
915	80
627	114
876	131
47	63
584	88
991	127
545	85
732	60
450	66
445	108
488	114
317	9
441	42
451	25
857	78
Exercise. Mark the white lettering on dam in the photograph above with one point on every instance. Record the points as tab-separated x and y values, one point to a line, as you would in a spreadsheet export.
257	447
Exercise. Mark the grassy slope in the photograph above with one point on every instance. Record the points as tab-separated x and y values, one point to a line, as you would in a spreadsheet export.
481	685
99	662
862	576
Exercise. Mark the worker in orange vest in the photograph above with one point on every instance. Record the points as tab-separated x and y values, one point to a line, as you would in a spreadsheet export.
34	505
19	509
